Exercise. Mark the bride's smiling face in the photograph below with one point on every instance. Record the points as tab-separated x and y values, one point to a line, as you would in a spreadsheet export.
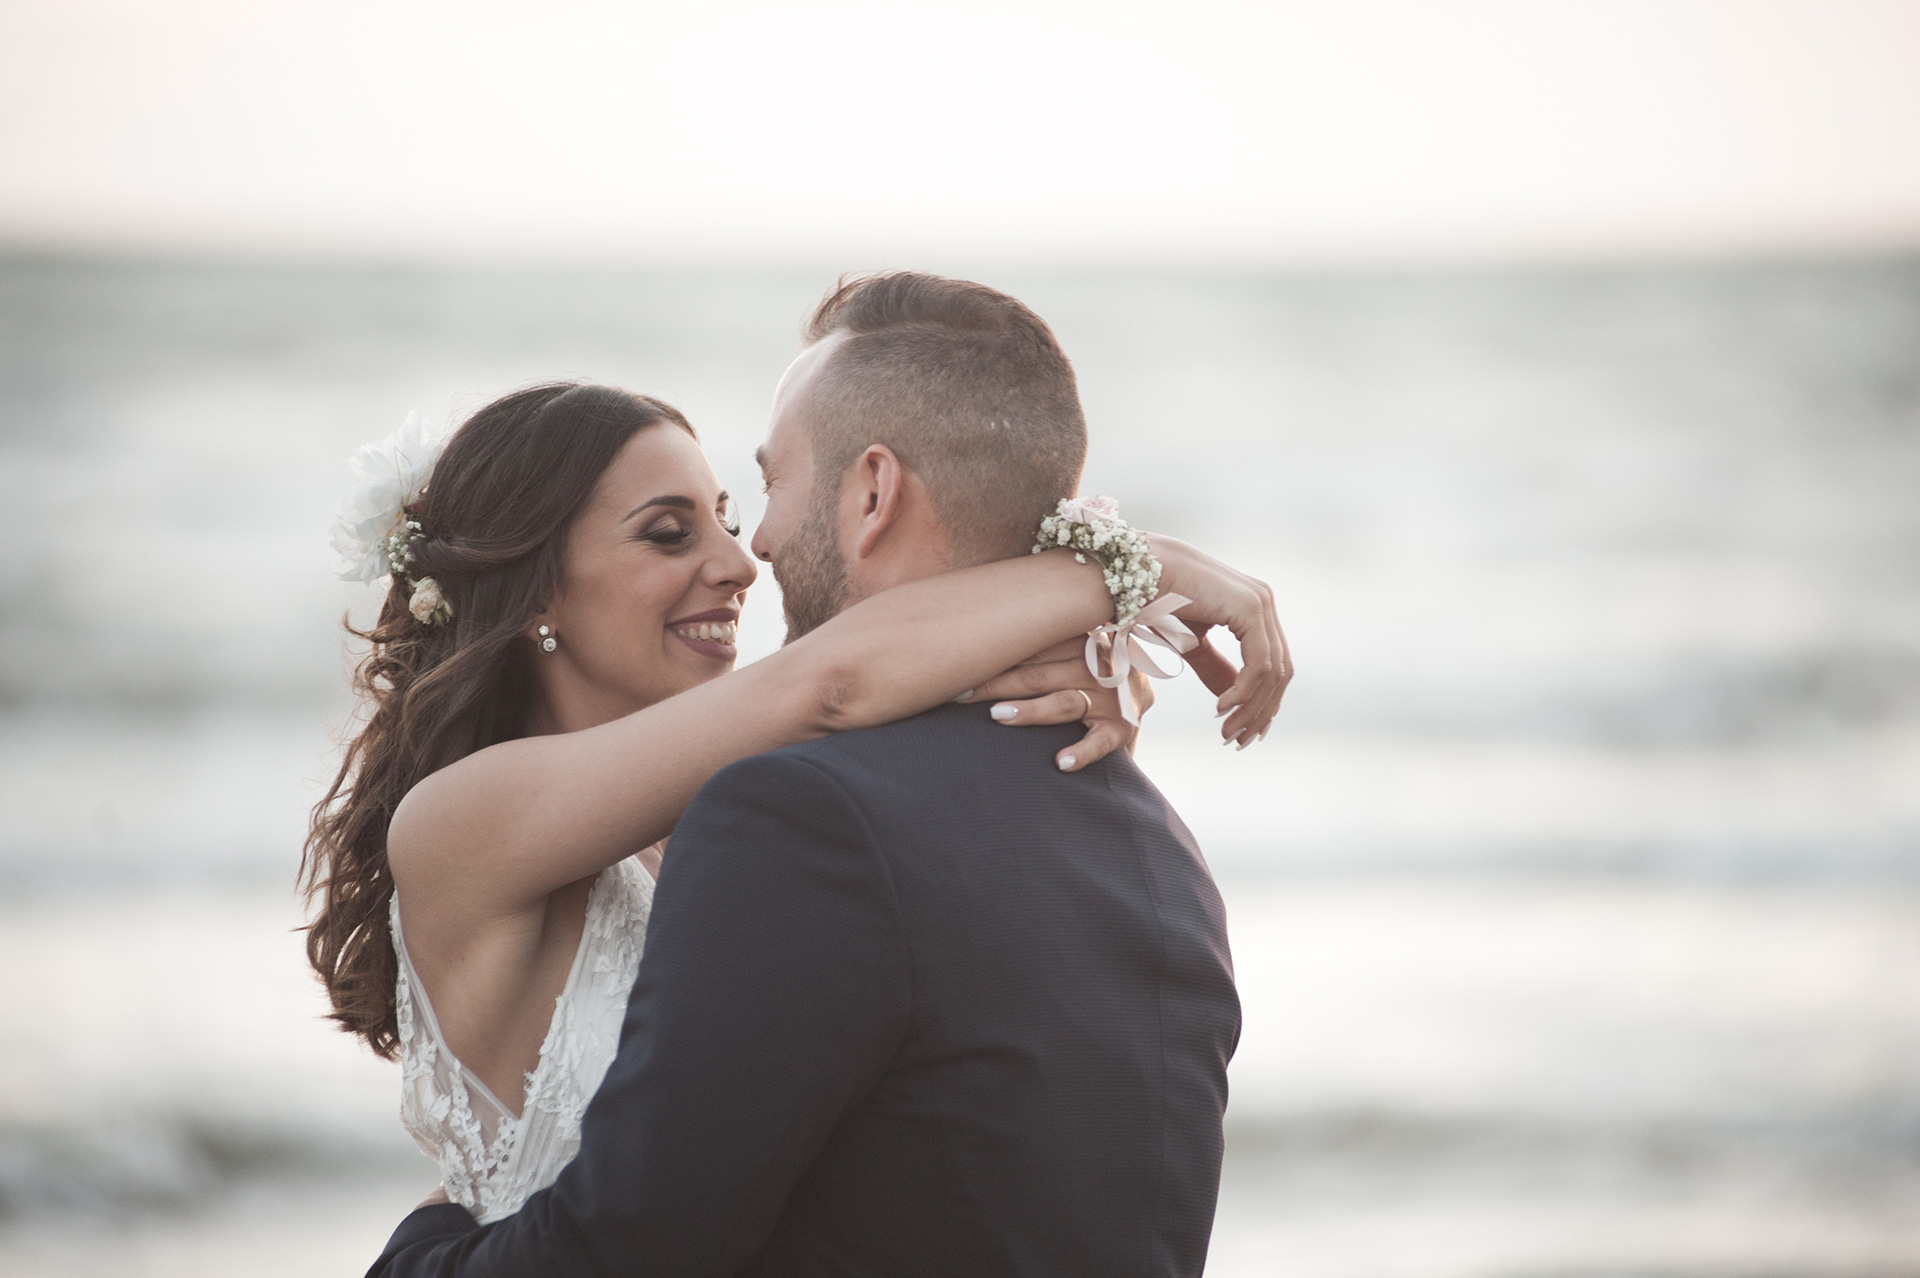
653	584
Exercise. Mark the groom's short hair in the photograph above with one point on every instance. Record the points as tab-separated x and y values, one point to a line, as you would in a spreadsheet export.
967	387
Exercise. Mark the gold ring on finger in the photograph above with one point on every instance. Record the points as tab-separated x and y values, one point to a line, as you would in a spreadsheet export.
1086	697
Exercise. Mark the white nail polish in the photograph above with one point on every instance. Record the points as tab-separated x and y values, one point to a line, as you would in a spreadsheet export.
1004	713
1066	763
964	697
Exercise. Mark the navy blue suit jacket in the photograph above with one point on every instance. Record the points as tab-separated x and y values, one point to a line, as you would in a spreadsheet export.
913	1002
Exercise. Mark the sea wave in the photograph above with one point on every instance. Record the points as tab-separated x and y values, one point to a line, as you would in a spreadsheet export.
1844	1152
175	1162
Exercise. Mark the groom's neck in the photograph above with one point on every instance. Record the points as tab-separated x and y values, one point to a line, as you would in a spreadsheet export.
876	573
912	546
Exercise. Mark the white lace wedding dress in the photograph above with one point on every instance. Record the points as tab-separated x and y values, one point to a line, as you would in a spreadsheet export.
490	1158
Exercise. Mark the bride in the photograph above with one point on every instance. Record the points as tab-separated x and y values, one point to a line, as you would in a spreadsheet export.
544	692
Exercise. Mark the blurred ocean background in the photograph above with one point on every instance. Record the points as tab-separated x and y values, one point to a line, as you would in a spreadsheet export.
1575	896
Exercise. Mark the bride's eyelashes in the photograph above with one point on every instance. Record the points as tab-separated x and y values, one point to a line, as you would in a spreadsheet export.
669	534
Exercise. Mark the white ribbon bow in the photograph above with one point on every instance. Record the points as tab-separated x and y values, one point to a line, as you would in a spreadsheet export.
1155	624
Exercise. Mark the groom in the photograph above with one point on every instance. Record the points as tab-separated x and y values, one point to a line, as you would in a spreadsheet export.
914	1002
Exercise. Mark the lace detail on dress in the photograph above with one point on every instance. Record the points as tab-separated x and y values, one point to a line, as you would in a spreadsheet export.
490	1158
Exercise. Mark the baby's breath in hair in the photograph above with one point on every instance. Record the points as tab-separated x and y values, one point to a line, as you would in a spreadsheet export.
399	544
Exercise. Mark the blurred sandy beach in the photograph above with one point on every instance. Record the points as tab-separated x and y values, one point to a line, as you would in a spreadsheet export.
1575	897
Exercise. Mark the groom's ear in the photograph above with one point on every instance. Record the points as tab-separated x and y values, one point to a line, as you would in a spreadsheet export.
878	481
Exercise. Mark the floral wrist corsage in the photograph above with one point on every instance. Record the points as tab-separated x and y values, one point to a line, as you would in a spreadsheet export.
1091	526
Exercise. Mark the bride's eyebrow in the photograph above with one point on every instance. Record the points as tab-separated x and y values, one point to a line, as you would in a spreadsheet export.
678	503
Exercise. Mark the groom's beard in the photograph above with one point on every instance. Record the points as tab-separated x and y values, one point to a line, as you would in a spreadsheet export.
811	573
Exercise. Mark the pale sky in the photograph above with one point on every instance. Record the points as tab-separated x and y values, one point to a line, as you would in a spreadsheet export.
1045	129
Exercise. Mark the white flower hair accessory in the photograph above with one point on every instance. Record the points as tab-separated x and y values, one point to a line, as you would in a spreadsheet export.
374	534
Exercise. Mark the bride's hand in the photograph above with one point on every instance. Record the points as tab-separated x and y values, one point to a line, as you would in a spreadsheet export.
1055	686
1048	688
1224	596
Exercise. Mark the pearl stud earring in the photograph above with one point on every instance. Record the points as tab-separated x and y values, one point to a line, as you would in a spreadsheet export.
547	642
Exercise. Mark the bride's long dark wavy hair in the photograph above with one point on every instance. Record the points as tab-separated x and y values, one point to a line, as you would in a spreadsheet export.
494	517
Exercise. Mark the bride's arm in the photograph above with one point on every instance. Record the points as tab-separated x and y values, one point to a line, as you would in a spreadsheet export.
1046	688
506	826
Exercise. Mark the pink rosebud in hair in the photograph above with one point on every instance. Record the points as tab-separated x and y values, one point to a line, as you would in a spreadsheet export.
428	605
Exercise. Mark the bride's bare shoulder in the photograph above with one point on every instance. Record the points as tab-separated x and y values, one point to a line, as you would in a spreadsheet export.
453	815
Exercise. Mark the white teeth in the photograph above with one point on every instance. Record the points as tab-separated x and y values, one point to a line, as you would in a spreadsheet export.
711	632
